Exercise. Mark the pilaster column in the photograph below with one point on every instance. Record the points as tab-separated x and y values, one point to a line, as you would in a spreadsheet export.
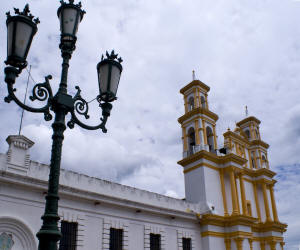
272	245
237	195
233	192
239	243
195	98
197	132
228	244
281	245
256	202
250	244
198	98
242	187
262	245
223	192
274	209
260	159
185	142
215	136
204	132
206	102
185	104
267	209
249	160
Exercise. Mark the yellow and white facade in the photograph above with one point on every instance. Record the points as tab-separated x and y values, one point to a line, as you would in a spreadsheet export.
235	188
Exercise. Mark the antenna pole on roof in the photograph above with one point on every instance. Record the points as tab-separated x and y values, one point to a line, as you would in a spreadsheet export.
246	110
194	77
20	128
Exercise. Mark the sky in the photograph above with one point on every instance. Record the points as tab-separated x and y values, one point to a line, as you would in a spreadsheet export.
248	52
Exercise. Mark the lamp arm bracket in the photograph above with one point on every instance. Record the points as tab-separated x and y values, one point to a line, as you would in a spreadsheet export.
41	92
81	107
74	120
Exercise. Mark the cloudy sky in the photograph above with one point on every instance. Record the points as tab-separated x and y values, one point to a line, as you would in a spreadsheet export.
248	52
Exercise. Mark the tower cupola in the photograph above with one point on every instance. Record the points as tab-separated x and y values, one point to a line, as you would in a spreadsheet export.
198	123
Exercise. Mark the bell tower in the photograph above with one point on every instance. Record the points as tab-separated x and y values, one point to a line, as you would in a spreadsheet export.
199	141
198	123
234	186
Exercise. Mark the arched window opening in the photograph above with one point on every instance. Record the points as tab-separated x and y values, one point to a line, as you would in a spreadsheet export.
247	132
191	103
210	139
203	102
253	160
191	140
264	161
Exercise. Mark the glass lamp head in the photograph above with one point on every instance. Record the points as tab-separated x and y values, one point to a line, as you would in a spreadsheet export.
70	15
109	72
20	31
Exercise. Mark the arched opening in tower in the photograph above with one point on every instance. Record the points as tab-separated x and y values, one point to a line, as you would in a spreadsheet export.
202	102
247	132
210	139
191	103
191	140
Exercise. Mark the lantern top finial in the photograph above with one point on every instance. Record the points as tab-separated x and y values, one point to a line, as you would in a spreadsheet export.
79	5
112	56
25	13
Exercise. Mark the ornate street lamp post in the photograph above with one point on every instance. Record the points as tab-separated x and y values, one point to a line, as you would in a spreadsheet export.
20	31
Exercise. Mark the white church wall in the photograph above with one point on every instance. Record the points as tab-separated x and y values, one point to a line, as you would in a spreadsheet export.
136	235
93	231
93	218
261	203
171	238
250	196
233	245
246	245
216	243
256	245
194	179
212	183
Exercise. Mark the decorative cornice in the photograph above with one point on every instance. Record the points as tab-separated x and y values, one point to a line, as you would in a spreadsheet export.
269	226
195	83
248	119
259	172
259	143
20	141
227	221
203	154
236	136
227	235
198	111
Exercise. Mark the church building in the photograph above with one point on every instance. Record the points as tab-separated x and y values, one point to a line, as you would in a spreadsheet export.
229	199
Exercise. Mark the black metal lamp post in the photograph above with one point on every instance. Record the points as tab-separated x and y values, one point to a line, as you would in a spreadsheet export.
20	31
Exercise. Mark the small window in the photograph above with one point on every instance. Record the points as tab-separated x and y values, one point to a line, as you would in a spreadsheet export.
186	244
202	102
69	235
154	241
191	103
253	160
115	239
